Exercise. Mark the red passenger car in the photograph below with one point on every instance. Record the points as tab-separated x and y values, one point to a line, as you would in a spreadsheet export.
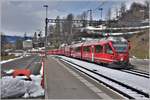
76	50
111	51
67	51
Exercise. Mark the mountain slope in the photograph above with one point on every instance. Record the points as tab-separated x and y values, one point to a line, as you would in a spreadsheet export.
140	45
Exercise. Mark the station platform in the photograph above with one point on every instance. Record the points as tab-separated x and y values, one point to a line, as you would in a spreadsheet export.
62	82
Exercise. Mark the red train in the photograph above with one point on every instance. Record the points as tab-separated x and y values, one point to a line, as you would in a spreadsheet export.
111	51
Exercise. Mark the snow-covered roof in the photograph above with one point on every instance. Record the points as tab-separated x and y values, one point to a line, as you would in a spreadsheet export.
117	39
28	40
94	28
98	41
91	28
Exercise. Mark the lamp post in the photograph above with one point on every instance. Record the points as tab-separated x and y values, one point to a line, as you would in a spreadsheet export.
46	24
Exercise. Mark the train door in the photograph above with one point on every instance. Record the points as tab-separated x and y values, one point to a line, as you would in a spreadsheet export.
98	53
77	52
70	50
87	53
92	54
109	54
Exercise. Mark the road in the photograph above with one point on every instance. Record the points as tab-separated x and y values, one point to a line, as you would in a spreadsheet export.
31	62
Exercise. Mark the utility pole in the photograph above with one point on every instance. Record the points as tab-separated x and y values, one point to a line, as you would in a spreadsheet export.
46	24
90	16
101	9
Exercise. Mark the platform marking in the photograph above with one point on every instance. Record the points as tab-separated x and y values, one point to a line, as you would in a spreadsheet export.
45	81
88	84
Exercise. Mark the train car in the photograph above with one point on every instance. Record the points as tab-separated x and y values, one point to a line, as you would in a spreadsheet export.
55	51
112	51
67	50
76	50
50	52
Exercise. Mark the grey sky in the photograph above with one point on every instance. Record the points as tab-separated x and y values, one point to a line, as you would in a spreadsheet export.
18	17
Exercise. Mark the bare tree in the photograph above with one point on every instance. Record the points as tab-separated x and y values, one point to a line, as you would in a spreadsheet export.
117	13
19	44
146	15
109	14
84	17
4	41
69	27
25	36
57	28
123	8
51	30
35	37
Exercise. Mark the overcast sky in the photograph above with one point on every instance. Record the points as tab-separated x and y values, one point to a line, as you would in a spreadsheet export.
20	16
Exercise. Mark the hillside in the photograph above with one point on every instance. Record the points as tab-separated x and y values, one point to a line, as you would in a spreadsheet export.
13	39
140	45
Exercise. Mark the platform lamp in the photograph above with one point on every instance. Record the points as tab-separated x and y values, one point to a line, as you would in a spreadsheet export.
46	24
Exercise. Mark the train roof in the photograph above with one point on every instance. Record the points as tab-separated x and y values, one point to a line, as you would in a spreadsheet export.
100	41
105	40
77	44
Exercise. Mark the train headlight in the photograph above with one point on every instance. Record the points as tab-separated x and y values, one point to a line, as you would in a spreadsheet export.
121	59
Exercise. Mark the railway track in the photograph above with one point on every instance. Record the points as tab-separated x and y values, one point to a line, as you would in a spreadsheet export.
131	71
32	61
137	72
120	87
26	65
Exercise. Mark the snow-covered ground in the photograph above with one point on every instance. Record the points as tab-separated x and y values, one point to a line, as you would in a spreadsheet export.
126	78
91	30
140	27
134	58
5	61
125	33
104	27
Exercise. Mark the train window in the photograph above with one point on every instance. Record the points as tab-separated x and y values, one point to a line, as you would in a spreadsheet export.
77	49
108	49
92	49
120	47
98	49
86	49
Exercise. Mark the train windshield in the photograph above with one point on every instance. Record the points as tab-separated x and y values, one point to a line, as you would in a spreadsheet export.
120	47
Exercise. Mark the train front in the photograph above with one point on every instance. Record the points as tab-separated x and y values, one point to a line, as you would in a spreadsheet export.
121	52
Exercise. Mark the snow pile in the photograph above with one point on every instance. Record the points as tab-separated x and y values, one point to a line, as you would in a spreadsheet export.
9	71
41	70
20	87
16	87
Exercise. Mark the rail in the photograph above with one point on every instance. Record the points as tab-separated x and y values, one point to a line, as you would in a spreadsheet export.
120	87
